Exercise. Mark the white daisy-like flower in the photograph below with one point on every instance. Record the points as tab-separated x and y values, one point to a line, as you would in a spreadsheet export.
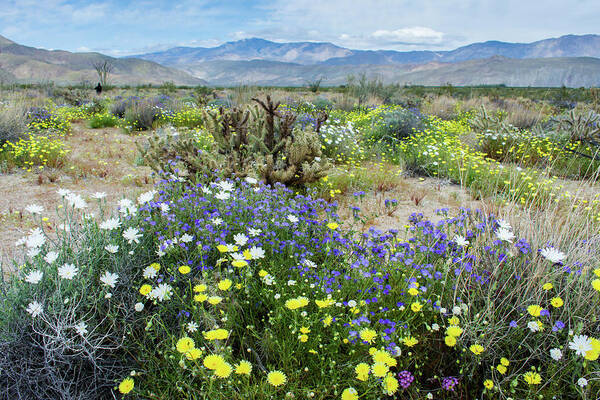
223	195
76	201
251	180
98	195
504	224
68	271
110	224
132	235
50	257
149	272
230	247
435	327
109	279
226	186
257	253
192	327
63	192
240	239
582	382
237	256
165	208
269	279
138	307
206	190
111	248
310	264
553	255
35	239
581	344
146	197
461	241
81	328
292	218
533	326
556	354
126	207
291	282
33	252
186	238
456	310
216	221
505	235
34	209
35	308
352	303
161	292
254	232
34	277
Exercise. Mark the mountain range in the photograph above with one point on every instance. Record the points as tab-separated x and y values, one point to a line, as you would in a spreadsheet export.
29	64
568	60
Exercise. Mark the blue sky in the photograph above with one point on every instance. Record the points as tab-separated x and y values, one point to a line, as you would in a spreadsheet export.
120	27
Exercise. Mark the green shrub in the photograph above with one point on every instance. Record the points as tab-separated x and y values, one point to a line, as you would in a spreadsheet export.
395	125
140	115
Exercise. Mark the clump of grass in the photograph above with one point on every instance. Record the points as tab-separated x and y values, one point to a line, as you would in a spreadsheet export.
103	121
13	122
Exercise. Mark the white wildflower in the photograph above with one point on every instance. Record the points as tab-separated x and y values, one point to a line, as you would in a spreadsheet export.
254	232
582	382
292	218
146	197
581	344
556	354
139	307
161	292
111	248
34	209
150	272
240	239
99	195
460	241
34	277
35	309
109	279
186	238
132	235
68	271
50	257
223	195
192	327
110	224
257	253
216	221
81	328
505	235
553	255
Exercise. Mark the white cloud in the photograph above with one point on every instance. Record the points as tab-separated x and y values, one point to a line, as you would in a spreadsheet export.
412	35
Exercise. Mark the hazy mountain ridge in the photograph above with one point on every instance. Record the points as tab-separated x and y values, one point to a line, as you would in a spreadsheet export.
327	53
29	64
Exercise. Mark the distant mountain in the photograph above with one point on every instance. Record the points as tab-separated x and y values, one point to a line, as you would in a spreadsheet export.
308	53
544	72
29	64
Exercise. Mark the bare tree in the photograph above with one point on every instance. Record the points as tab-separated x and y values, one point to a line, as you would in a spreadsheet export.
103	69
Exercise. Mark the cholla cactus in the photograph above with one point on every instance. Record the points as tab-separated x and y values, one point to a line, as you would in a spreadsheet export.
580	127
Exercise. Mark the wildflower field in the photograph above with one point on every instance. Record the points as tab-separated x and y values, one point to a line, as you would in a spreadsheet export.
285	246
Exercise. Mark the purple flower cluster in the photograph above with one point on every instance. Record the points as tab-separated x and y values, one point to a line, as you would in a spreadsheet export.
405	378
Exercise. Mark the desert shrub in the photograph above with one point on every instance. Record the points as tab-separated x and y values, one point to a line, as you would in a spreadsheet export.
120	105
13	120
103	121
396	125
140	114
219	102
96	106
322	104
38	149
45	120
68	312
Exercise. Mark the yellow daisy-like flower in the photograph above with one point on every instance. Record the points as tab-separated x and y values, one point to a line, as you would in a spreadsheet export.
324	303
200	297
223	370
548	286
597	272
247	255
185	344
532	378
501	368
454	320
225	284
214	300
276	378
384	357
304	329
362	371
410	341
454	331
200	288
126	385
596	284
327	320
332	225
593	354
243	368
193	354
390	384
557	302
534	310
368	335
379	369
303	338
476	349
413	291
416	306
296	303
222	248
488	383
350	394
504	361
184	269
145	289
216	334
262	273
239	263
450	341
156	266
212	361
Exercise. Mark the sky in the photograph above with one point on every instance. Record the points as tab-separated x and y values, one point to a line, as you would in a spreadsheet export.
125	27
